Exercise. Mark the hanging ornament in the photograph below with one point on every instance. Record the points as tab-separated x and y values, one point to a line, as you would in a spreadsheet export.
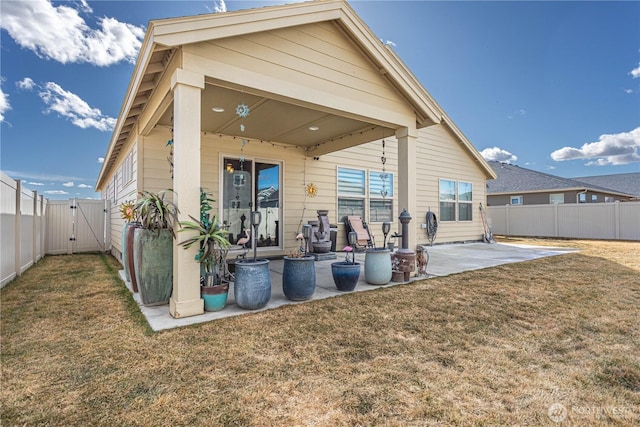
384	175
311	190
242	110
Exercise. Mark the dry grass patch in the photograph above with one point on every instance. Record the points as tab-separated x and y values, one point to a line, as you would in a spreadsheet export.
489	347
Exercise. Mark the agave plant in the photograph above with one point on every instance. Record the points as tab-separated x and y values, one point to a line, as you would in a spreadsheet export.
211	237
155	212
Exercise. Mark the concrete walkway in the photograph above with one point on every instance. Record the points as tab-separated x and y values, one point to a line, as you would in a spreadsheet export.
443	261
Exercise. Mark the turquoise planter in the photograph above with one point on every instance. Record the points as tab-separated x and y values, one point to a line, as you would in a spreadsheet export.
345	275
252	288
377	266
153	260
215	297
299	278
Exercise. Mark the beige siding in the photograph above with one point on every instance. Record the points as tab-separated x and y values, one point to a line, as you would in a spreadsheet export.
313	63
440	156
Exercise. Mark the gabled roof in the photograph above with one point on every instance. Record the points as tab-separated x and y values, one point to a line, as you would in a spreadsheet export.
164	37
515	179
622	182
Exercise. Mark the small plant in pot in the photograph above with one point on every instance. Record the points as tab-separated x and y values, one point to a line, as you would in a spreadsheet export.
299	271
347	273
153	246
214	245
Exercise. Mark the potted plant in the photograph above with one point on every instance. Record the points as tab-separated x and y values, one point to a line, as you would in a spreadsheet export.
346	273
252	285
299	271
153	247
214	245
128	214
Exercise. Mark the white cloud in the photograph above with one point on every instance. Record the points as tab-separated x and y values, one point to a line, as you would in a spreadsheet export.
219	6
549	167
610	149
390	43
84	186
26	84
497	154
100	159
628	91
71	106
4	104
35	183
59	192
635	73
61	34
521	112
68	184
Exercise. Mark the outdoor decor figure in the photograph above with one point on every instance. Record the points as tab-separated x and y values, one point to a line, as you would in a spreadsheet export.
321	242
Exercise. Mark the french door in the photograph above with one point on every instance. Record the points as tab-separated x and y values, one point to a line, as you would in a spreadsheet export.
250	185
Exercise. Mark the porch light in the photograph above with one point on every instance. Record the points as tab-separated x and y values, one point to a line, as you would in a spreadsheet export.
352	238
230	168
256	218
306	233
314	128
386	227
217	110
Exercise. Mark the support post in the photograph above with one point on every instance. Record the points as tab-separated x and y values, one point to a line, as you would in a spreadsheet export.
407	198
187	87
18	220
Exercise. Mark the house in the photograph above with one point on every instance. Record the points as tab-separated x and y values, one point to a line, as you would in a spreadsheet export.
628	183
516	185
301	102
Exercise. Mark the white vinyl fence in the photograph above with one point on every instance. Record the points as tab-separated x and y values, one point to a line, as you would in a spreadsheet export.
608	221
22	228
32	226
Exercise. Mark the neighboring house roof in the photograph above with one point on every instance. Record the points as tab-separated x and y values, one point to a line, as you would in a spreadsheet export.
623	182
514	179
164	38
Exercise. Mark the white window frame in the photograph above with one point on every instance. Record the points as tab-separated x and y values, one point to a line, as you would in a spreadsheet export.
469	203
375	196
557	197
518	200
127	169
354	196
441	200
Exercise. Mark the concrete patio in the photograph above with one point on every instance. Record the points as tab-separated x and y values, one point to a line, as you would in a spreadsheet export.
443	260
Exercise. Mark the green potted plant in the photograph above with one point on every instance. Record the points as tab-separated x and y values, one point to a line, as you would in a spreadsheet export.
153	246
214	245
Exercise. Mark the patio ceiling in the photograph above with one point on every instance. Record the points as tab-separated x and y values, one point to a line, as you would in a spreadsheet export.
278	121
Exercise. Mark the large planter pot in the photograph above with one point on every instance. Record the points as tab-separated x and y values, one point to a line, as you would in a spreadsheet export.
153	259
215	297
299	278
377	266
125	263
252	288
345	275
130	255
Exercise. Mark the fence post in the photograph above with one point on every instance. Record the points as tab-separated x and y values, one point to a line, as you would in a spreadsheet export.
43	228
616	218
18	220
71	230
555	220
34	226
508	220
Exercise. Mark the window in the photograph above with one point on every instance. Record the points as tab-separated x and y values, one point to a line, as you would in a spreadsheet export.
127	169
447	200
594	198
465	201
582	198
516	200
456	198
380	208
556	198
351	192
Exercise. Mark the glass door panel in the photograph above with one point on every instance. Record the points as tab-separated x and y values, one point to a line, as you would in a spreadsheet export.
267	184
237	198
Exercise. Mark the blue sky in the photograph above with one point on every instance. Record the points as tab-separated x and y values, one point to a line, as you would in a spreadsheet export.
551	86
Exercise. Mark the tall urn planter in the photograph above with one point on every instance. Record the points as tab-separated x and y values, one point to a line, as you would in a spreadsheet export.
153	258
130	263
125	263
299	277
252	287
377	266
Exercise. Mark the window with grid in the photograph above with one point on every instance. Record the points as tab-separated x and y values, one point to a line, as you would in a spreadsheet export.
465	201
380	207
351	192
447	200
127	169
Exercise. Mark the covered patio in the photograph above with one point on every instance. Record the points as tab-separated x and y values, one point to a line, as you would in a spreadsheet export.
444	260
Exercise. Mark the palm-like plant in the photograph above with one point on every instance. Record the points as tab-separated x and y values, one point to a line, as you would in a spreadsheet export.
156	213
210	236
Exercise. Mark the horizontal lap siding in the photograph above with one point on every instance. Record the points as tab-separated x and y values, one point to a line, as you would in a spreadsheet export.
440	156
317	57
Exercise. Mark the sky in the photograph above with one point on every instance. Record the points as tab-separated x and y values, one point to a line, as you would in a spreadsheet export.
550	86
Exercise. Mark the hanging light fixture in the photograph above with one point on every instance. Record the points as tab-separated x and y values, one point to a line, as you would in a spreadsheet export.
383	175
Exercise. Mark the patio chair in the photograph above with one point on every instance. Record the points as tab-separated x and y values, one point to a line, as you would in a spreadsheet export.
365	236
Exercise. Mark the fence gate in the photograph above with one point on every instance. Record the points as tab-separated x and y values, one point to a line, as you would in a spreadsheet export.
77	225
